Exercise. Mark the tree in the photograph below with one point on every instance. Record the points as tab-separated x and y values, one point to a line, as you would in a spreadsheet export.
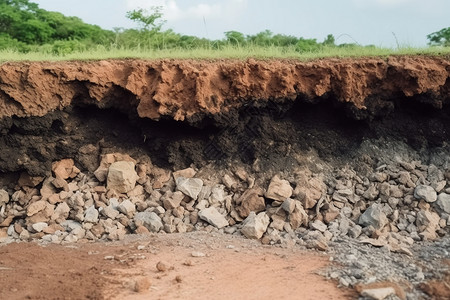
329	41
149	20
440	38
235	37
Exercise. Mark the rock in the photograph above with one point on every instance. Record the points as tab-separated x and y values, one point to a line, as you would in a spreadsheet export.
4	197
36	207
427	223
127	208
48	189
163	266
91	215
186	173
198	254
255	225
426	193
121	176
229	181
173	201
213	217
318	225
39	227
378	293
298	217
61	212
250	201
443	202
148	219
110	212
279	189
374	216
65	169
189	186
142	285
289	205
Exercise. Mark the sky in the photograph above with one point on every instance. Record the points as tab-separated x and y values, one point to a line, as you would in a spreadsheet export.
384	23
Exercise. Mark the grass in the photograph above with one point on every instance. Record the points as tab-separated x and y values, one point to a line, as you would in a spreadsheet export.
228	52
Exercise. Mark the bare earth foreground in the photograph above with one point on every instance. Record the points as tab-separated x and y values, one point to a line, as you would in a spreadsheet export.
231	268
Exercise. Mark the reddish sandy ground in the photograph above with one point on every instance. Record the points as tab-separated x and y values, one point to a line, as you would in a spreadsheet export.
232	268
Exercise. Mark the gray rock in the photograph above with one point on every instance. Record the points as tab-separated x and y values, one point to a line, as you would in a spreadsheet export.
426	193
374	216
443	202
110	212
213	217
378	293
189	186
318	225
355	231
122	176
127	208
148	219
4	197
70	225
255	225
38	227
91	215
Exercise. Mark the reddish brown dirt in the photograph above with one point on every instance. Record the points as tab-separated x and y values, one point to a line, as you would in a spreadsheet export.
233	268
180	89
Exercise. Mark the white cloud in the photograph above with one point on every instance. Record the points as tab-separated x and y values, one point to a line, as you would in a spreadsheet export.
173	12
383	3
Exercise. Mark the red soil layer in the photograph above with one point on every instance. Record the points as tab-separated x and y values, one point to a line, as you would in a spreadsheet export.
180	89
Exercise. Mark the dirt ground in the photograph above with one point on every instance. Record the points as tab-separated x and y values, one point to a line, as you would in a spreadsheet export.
231	268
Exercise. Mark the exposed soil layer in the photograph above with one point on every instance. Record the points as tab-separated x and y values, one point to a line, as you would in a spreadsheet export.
231	109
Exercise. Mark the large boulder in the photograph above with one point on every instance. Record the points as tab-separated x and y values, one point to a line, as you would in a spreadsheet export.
279	190
255	225
189	186
374	216
426	193
213	217
122	176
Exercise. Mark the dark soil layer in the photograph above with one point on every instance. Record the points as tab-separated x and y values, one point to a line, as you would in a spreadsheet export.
267	137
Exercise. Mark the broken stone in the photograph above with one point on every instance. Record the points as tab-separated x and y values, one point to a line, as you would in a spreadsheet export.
189	186
173	201
65	169
91	215
121	176
39	227
426	193
318	225
36	207
255	225
127	208
279	189
148	219
443	202
298	217
250	201
4	197
186	173
213	217
373	216
378	293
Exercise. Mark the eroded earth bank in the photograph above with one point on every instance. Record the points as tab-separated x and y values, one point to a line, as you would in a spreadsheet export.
350	157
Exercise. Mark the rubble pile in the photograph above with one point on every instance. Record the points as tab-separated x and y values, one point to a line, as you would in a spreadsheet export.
394	206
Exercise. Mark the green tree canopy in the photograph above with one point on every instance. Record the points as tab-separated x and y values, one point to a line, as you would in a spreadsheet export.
440	38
